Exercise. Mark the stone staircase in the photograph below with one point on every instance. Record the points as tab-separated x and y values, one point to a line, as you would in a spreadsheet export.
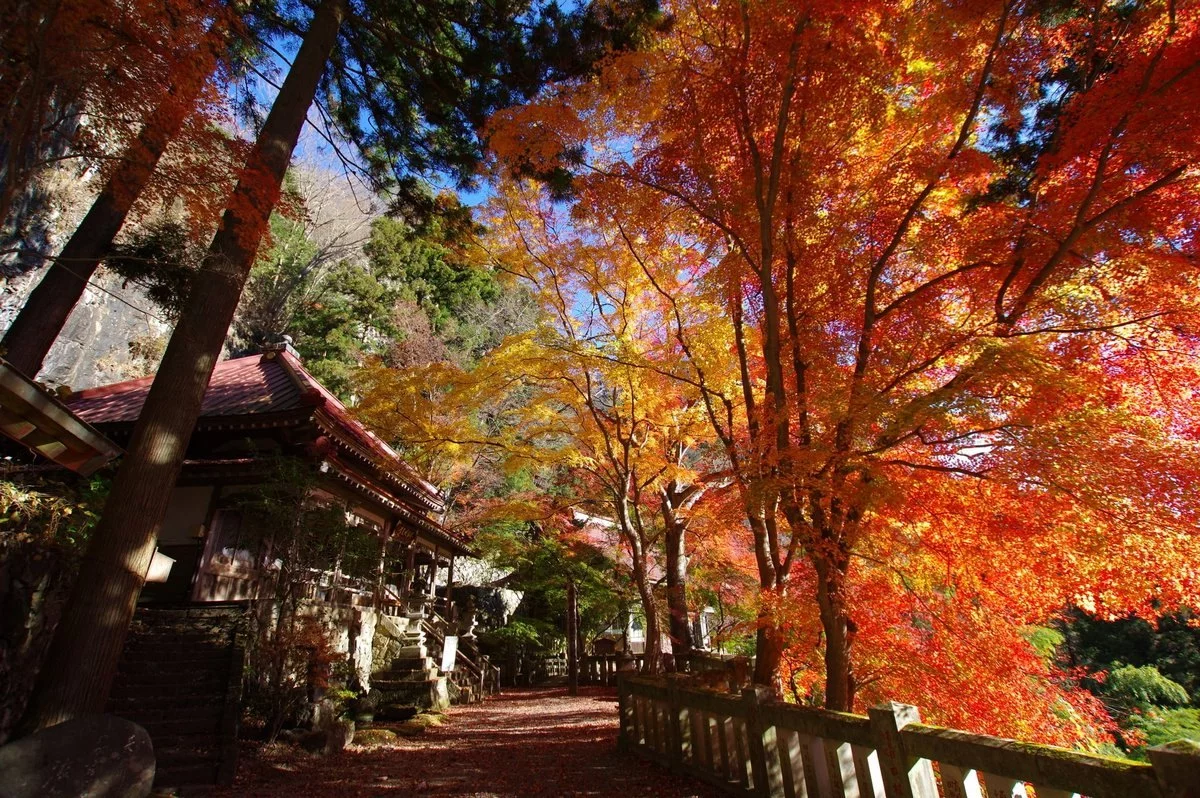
468	682
411	676
180	678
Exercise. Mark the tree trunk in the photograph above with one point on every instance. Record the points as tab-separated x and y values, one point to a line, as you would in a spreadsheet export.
83	658
839	636
677	606
653	649
572	639
36	327
768	654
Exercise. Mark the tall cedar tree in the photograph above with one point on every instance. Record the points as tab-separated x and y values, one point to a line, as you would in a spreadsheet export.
425	76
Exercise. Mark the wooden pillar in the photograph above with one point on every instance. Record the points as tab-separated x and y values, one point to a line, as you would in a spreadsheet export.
381	576
1177	768
626	737
433	569
680	723
761	738
450	585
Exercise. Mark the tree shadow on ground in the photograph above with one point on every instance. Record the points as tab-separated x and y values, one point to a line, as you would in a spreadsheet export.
527	742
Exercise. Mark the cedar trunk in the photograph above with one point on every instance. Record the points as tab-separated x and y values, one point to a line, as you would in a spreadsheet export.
36	327
83	658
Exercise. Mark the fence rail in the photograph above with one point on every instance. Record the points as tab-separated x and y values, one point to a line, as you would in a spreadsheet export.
602	668
750	746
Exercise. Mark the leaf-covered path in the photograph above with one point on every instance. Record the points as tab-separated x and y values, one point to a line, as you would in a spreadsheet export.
525	742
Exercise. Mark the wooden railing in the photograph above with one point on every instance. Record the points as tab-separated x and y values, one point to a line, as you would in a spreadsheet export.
603	668
477	673
748	745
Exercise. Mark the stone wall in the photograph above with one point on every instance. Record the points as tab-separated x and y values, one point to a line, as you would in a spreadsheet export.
389	640
369	640
34	581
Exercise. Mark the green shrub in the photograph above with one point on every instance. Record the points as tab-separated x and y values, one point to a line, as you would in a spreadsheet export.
1158	725
1131	688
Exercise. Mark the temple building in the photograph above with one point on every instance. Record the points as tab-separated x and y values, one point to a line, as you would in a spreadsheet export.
260	413
285	507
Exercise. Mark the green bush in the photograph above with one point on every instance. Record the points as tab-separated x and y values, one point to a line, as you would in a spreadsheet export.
1133	688
516	637
1159	725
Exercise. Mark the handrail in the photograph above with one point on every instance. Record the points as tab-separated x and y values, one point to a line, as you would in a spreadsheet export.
750	745
467	672
602	668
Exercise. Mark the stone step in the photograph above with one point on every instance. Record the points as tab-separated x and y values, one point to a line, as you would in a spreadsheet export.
412	652
173	677
181	727
409	666
168	672
412	664
187	747
168	756
424	693
400	681
169	682
175	648
386	677
173	663
186	775
181	628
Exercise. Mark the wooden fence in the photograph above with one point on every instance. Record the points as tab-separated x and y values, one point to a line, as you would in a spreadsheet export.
748	745
603	668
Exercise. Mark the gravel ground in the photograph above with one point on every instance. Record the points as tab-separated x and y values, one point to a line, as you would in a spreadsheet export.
524	742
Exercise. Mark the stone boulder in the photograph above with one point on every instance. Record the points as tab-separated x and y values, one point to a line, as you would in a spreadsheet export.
374	737
331	739
94	756
410	728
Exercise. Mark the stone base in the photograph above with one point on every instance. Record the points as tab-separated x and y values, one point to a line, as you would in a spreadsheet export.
423	693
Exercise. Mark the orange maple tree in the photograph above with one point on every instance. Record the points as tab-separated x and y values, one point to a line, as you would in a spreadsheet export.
593	394
953	249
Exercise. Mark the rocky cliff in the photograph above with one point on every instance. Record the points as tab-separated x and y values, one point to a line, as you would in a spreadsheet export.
114	334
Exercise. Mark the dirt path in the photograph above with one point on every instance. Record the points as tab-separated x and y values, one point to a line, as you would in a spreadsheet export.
525	742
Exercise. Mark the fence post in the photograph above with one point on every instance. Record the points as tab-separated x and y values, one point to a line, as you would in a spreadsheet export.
625	741
764	744
679	724
1177	767
903	776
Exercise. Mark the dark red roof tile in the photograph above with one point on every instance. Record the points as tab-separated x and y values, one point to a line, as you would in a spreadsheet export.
242	386
272	382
